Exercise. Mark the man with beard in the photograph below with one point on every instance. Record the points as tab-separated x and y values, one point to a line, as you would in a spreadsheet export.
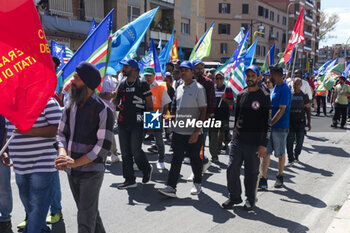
84	140
208	85
133	98
249	140
280	105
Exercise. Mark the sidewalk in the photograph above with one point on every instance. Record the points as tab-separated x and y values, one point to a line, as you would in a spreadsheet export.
341	222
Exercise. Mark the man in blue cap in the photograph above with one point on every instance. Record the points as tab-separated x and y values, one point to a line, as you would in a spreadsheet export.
249	140
190	101
133	98
198	67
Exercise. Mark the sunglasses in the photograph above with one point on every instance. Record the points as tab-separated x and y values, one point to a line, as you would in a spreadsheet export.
219	78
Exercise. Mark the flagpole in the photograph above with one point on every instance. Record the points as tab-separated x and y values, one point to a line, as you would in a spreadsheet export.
7	144
295	57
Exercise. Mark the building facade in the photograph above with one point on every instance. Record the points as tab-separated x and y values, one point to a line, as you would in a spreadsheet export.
307	55
339	51
268	22
68	21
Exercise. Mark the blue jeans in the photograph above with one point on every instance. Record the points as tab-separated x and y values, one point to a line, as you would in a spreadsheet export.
35	192
55	205
5	193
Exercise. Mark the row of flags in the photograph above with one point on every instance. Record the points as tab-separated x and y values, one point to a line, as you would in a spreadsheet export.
105	49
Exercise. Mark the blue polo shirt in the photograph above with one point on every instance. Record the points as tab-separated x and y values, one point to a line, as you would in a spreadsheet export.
281	95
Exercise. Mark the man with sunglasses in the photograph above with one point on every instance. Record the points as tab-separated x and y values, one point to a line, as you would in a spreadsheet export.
224	99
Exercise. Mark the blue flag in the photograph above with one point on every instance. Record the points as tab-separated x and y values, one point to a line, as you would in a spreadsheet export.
249	58
94	50
164	56
291	56
346	72
181	55
59	51
156	62
272	55
93	26
128	38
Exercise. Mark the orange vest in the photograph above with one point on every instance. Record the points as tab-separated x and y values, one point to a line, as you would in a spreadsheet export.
319	93
157	93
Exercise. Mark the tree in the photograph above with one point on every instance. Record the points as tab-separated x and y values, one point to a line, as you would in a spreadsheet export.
327	25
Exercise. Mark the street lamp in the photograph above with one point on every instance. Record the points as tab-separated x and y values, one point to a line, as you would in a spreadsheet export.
289	5
257	32
338	47
261	29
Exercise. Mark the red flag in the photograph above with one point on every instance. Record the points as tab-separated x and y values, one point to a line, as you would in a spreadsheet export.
174	52
27	73
296	37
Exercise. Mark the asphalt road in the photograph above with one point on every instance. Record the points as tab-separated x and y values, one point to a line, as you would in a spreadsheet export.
307	203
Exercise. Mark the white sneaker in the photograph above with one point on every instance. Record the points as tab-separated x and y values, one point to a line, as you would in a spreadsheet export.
196	189
206	166
168	191
136	168
187	160
112	159
160	166
290	164
190	178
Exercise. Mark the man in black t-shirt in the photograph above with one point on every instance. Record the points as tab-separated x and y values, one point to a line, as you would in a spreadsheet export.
133	98
249	140
299	106
224	99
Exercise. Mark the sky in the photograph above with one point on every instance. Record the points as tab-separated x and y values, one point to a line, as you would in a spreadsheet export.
342	30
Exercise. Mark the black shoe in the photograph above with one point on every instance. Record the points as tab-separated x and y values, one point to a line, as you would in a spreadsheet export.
214	159
146	178
231	202
127	185
262	184
248	206
150	138
6	227
334	125
153	149
317	114
342	127
279	181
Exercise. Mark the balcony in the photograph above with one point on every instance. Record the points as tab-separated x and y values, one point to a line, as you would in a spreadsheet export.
160	35
309	3
308	19
308	33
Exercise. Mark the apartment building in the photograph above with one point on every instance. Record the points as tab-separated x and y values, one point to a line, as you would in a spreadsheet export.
267	20
339	51
68	21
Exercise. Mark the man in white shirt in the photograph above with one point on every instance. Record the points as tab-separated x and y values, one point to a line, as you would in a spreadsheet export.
305	88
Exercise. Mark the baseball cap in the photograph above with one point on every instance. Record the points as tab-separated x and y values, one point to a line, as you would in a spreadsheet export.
197	62
254	69
267	73
168	74
148	71
131	62
186	64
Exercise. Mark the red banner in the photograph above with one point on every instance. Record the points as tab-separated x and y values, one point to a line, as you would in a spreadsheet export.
27	73
174	52
296	37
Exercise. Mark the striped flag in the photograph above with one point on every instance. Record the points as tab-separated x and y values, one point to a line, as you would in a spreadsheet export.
269	60
235	72
69	53
331	77
94	50
151	59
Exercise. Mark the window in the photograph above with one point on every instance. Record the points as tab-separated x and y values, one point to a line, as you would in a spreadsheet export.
272	15
224	8
185	26
133	13
266	13
245	26
284	22
278	18
277	35
284	38
263	53
223	48
224	29
257	51
261	11
245	8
